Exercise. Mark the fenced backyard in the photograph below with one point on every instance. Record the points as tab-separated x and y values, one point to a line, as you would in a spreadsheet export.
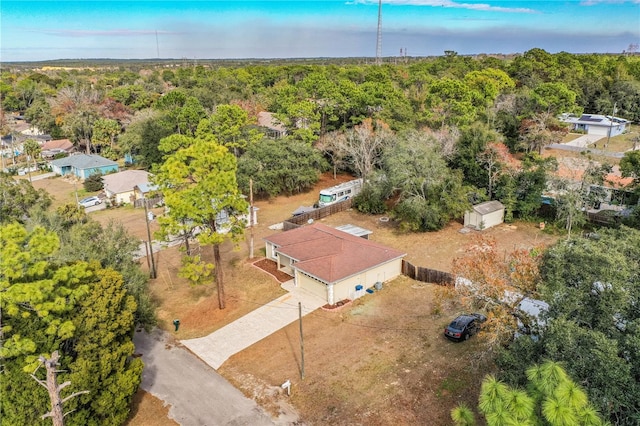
426	275
316	214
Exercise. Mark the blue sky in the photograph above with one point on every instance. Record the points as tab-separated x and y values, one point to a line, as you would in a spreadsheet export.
41	30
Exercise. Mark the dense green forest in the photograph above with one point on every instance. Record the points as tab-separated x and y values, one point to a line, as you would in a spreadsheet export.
458	118
430	137
67	285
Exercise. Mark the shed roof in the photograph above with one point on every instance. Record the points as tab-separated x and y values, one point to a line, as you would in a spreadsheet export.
354	230
488	207
125	181
331	255
83	161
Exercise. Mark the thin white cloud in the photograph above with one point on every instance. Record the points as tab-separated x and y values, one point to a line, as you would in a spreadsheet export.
596	2
99	33
452	5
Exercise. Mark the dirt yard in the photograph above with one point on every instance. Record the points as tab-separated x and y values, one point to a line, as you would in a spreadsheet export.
380	360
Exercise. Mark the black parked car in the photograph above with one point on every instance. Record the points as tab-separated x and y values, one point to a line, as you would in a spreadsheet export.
464	327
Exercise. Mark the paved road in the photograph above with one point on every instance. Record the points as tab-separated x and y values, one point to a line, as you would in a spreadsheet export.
218	346
198	396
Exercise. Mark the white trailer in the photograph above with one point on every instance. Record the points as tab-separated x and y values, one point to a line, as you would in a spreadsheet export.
339	192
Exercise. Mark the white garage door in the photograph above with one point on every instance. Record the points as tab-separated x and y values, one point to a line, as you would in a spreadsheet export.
312	286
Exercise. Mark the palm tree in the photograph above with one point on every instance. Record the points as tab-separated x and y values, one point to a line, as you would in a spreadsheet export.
32	149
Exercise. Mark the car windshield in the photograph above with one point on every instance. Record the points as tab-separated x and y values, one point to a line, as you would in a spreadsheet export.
326	198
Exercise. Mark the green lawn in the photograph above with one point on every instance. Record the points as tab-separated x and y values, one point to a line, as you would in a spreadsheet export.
622	142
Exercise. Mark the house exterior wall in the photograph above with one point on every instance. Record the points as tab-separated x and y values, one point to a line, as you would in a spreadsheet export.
346	288
122	197
285	261
270	251
62	171
601	130
85	173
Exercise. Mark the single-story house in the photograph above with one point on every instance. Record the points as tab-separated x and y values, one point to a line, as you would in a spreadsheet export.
83	165
485	215
121	187
595	124
274	127
51	148
332	264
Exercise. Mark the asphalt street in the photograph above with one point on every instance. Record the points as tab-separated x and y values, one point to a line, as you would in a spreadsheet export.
196	394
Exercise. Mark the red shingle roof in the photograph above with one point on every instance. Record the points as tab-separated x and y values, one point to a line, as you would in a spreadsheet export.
331	255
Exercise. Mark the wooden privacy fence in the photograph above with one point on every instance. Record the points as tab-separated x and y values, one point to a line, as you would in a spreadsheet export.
301	219
150	202
426	275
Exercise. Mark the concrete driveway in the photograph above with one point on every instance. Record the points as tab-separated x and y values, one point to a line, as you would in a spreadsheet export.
584	140
196	394
218	346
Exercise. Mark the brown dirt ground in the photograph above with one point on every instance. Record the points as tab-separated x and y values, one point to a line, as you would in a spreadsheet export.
377	361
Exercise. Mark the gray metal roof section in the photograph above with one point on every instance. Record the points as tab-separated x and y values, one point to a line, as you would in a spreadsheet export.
354	230
83	161
488	207
147	187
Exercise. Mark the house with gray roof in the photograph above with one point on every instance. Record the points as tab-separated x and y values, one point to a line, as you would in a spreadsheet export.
595	124
83	165
121	187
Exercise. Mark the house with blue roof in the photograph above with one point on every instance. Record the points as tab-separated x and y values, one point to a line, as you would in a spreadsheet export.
83	165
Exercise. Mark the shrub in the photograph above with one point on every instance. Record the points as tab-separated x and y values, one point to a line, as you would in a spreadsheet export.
93	183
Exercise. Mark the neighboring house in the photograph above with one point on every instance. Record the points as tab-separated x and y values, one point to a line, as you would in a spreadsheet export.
274	127
59	146
333	264
144	190
83	165
599	125
485	215
121	187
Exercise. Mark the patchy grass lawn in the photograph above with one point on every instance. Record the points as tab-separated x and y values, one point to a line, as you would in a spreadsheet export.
149	411
381	360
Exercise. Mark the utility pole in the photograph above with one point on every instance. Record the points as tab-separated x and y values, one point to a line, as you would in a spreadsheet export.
379	36
251	213
153	261
51	384
301	341
157	45
75	188
613	113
